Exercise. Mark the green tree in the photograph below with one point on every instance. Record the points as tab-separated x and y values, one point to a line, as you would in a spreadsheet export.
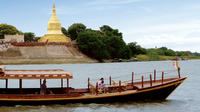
75	29
125	52
115	43
90	42
6	29
132	46
136	49
170	52
160	51
165	51
103	44
164	48
29	37
196	54
107	30
64	31
36	39
115	46
183	53
141	50
153	55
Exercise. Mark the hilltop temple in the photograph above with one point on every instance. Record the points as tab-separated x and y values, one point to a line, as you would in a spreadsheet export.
54	33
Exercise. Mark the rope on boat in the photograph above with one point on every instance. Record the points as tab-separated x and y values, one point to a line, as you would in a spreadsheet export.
166	72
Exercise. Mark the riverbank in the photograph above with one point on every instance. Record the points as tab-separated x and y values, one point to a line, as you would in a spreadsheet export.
21	61
15	61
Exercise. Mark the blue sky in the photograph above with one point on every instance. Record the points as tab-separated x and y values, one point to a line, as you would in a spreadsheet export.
171	23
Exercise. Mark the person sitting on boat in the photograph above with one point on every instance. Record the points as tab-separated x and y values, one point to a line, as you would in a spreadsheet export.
43	87
101	84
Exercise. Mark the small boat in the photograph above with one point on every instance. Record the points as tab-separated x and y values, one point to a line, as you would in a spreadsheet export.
151	88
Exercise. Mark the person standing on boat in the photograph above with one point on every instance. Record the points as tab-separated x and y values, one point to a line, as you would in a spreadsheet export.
43	87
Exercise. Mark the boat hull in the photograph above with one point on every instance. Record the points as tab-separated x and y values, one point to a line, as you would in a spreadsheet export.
159	92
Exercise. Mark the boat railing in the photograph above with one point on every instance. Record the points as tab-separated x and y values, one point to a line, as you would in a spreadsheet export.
140	80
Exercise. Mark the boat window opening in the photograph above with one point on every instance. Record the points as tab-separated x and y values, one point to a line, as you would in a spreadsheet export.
2	83
13	83
51	83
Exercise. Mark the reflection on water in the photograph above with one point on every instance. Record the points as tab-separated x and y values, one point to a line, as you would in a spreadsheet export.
150	106
186	98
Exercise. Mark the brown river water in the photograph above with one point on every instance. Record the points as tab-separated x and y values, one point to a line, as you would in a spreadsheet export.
186	98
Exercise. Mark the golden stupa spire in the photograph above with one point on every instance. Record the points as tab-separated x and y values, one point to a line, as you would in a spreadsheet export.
54	33
54	8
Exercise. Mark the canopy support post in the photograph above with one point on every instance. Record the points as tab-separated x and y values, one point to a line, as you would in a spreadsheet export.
155	75
45	88
67	86
40	82
150	80
20	86
96	88
89	84
142	81
179	74
6	83
132	77
61	83
120	86
162	77
110	80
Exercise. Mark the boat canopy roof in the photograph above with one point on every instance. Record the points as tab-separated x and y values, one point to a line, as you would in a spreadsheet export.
36	74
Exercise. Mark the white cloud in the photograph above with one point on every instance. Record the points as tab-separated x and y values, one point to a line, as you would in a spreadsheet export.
189	26
179	36
171	41
167	39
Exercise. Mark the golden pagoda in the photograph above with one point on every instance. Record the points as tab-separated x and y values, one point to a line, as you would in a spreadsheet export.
54	33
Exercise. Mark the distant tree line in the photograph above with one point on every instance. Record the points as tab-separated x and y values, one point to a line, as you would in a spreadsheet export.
105	43
164	51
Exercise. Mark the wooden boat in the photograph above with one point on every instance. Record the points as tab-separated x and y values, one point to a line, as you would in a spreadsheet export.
133	90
